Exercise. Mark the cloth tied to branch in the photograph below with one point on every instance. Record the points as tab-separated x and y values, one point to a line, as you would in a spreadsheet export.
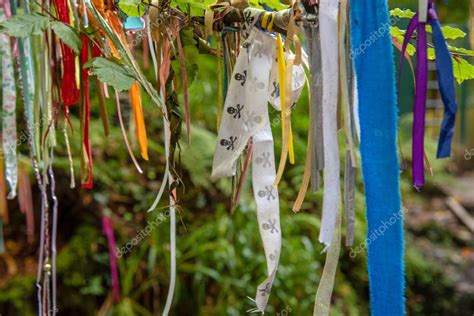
255	83
445	76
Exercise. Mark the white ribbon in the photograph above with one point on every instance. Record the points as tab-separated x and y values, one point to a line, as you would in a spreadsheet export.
254	83
328	19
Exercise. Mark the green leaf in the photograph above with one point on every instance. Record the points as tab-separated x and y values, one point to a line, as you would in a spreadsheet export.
25	25
275	4
403	14
114	74
399	35
452	32
448	32
463	70
67	35
464	51
431	53
133	8
194	7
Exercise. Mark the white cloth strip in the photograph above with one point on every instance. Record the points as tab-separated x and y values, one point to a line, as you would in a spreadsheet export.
254	83
329	50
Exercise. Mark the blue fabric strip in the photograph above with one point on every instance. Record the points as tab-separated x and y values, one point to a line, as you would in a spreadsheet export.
444	66
373	55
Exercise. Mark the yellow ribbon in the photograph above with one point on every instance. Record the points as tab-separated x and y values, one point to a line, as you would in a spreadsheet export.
284	78
285	112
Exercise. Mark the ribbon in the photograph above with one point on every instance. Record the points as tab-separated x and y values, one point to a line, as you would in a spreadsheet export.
326	284
102	93
254	83
108	230
3	196
136	101
172	200
245	114
328	17
350	163
25	201
445	75
69	91
9	136
447	89
3	204
54	230
184	80
283	92
86	155
27	84
378	148
316	102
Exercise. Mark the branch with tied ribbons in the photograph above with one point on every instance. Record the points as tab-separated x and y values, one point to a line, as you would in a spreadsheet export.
232	13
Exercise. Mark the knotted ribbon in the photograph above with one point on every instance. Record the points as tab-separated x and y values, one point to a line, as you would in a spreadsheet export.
445	76
255	83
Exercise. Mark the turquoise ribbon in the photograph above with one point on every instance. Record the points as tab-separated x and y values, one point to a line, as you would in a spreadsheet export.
378	125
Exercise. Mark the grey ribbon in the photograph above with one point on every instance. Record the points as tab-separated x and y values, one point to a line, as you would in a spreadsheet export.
316	100
349	199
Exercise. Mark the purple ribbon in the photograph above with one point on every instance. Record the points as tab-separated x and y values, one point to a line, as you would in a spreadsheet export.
420	96
447	89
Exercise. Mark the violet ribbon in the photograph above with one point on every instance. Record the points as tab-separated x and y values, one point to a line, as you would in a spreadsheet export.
447	89
418	173
109	234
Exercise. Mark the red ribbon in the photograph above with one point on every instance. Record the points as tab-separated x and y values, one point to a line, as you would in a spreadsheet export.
69	90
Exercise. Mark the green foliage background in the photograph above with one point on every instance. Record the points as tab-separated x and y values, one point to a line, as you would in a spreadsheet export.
220	256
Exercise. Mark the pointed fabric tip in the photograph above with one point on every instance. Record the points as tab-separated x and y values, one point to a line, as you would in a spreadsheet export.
418	186
136	101
326	247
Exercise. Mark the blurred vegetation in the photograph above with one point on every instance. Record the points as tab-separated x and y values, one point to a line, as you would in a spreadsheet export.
220	256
